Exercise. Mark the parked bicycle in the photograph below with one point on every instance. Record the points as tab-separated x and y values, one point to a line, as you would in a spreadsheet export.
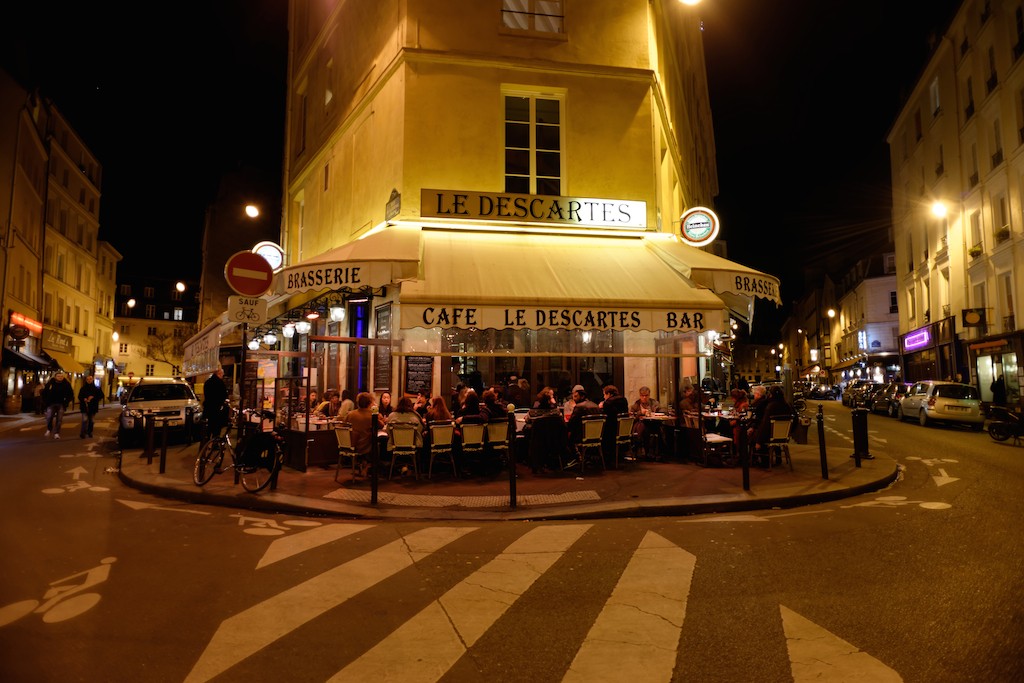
255	460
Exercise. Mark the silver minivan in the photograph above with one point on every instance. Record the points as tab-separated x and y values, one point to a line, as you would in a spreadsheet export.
951	402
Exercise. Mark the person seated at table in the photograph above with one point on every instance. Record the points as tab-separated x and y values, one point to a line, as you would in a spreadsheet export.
491	408
384	407
361	419
645	406
689	403
330	407
312	401
582	406
740	406
774	405
347	404
545	399
544	431
404	414
470	409
422	404
758	399
613	405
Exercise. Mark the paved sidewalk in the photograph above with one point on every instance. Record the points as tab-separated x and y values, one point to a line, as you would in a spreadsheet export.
640	489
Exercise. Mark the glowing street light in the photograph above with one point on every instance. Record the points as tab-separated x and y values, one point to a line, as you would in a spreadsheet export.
252	211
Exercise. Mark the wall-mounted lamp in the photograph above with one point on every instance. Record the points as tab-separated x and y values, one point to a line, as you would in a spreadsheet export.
303	327
115	336
288	331
587	336
337	314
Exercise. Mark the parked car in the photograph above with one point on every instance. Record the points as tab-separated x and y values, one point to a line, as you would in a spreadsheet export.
170	400
822	392
950	402
856	390
887	400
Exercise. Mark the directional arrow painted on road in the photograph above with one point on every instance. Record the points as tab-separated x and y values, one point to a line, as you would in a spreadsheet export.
284	548
136	505
943	478
76	472
817	655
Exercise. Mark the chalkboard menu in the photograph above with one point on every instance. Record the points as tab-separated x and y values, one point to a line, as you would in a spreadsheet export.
382	354
419	374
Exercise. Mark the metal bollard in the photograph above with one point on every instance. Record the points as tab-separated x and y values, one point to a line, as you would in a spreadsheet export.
149	425
163	448
821	443
374	455
859	416
510	454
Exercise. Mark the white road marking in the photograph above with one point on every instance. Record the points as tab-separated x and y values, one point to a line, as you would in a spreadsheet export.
426	646
284	548
944	478
636	636
817	655
248	632
136	505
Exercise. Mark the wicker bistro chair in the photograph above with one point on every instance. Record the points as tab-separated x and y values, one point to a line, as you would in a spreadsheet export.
473	441
404	437
343	432
496	436
624	438
442	436
778	444
591	443
707	448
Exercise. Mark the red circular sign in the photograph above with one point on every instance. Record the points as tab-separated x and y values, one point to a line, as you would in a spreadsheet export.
248	274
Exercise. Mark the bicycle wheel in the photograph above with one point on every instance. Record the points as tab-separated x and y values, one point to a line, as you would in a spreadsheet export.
210	457
259	468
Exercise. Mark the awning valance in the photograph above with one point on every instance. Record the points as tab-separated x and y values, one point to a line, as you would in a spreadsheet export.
66	361
381	258
718	274
517	281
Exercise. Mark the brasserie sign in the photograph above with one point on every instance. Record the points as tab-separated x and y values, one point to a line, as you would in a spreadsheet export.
529	318
528	208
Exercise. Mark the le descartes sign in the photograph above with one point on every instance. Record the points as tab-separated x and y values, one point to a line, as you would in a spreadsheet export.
528	208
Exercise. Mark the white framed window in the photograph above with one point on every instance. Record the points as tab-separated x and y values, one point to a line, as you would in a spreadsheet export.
1005	295
179	314
533	143
933	97
533	16
975	229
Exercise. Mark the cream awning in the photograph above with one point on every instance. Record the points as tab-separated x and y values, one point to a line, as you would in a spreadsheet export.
381	258
503	280
66	361
737	284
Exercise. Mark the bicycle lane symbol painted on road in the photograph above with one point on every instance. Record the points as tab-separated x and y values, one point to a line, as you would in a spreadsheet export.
57	603
897	501
77	484
261	526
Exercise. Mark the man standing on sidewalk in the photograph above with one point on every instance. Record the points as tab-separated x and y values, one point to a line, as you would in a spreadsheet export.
89	398
57	394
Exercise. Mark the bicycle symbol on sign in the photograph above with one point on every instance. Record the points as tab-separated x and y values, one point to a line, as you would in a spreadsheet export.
247	315
57	603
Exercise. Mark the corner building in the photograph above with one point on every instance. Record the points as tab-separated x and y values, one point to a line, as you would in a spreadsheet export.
482	189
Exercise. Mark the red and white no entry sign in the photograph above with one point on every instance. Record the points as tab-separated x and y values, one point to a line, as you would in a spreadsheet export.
248	274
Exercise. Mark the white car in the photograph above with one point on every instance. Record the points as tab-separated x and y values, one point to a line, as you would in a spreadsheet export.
169	401
934	401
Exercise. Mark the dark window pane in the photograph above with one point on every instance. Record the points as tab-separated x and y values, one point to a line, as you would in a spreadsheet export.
517	108
549	186
517	135
517	184
549	163
547	137
517	161
547	111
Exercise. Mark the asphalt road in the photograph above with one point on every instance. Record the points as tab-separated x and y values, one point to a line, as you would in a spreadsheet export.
920	582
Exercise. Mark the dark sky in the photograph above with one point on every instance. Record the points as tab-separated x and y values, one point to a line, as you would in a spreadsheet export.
803	93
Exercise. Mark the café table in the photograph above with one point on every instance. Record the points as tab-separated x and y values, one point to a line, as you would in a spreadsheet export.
656	431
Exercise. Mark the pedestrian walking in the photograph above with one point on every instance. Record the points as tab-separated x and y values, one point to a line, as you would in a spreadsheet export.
998	389
57	395
89	398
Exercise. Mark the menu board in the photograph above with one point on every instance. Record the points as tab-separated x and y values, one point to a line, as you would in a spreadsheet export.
419	374
382	354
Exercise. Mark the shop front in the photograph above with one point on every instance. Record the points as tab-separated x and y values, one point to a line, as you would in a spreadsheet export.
930	352
993	358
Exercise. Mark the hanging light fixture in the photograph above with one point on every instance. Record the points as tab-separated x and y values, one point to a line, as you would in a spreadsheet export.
303	327
270	338
312	314
288	331
337	312
254	344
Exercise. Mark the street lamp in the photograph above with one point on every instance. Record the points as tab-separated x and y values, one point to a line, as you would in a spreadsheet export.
179	286
252	211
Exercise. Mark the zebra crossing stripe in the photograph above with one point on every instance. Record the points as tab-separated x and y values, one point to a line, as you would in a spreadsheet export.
636	635
283	548
818	655
248	632
426	646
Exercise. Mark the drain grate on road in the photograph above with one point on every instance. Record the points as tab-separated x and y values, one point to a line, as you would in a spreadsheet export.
411	500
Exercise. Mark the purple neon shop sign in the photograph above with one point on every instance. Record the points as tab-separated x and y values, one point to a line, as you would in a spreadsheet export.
916	340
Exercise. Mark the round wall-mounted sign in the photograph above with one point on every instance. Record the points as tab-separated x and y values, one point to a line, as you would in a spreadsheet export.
698	226
272	252
18	331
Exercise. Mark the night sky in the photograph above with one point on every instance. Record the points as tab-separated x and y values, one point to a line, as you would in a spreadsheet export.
803	93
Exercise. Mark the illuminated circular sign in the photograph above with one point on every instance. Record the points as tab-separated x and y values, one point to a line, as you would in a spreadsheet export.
699	226
273	254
